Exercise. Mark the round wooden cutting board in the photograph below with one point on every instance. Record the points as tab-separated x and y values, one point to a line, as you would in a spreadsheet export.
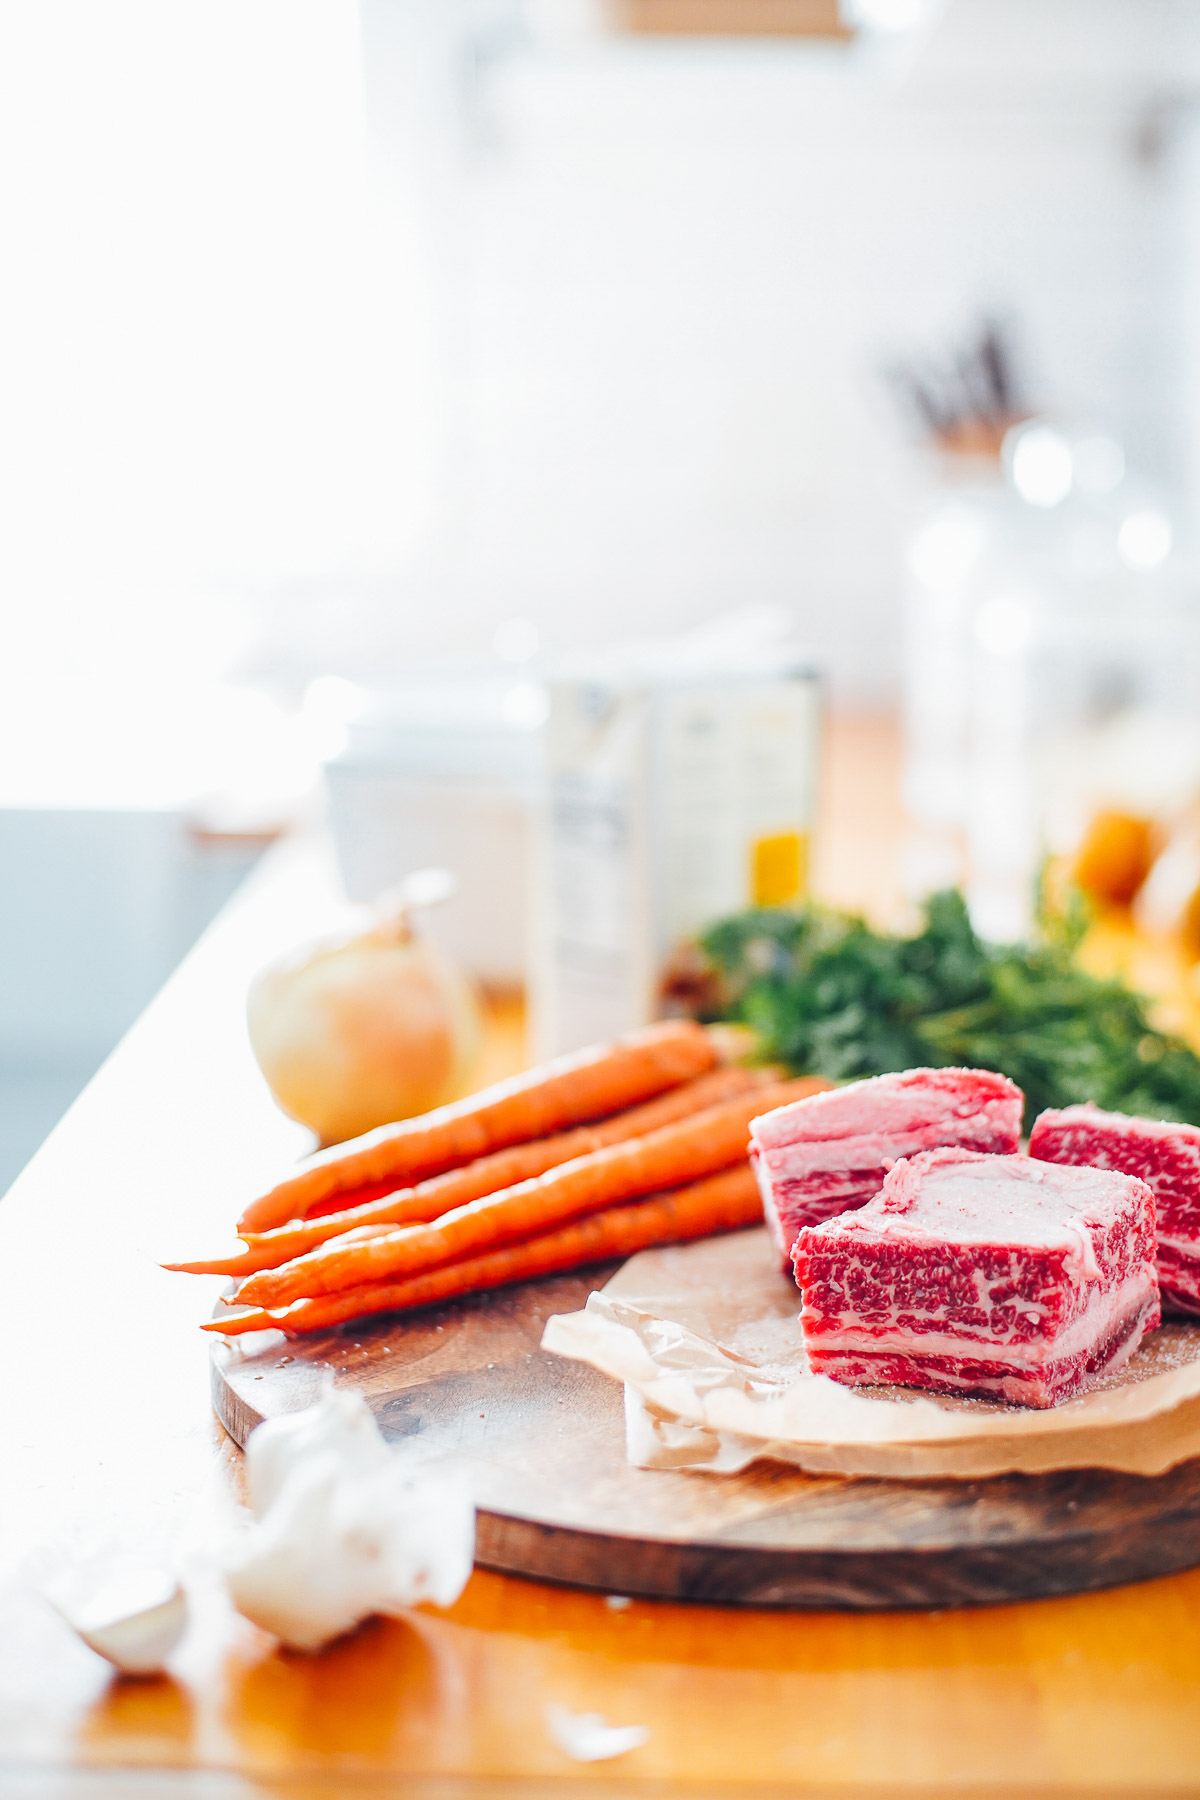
542	1440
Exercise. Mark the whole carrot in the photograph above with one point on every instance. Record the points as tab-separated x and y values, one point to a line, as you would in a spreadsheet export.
665	1158
574	1089
486	1175
722	1202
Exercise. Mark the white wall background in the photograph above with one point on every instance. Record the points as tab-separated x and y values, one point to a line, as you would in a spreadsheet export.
670	272
337	333
212	368
688	270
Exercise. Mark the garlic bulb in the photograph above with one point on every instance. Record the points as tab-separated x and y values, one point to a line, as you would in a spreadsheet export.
340	1424
357	1030
342	1530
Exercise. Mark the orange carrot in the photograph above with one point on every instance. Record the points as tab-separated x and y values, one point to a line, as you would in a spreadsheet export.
722	1202
665	1158
247	1262
590	1084
430	1199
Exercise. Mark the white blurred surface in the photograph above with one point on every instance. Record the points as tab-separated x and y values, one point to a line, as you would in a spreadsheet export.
343	332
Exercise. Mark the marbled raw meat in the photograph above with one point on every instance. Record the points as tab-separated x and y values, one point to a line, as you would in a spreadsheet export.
1165	1156
831	1151
995	1275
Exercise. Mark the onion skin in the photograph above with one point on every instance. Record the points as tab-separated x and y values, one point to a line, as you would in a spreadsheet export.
361	1030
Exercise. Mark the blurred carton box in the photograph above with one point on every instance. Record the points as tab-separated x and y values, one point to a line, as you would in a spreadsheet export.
680	784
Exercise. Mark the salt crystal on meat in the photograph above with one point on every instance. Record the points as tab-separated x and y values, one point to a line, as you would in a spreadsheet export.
991	1275
831	1151
1165	1156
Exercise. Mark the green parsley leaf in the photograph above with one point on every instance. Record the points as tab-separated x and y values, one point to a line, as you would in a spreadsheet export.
829	996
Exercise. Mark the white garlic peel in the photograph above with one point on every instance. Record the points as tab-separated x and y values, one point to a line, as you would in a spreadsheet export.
341	1425
373	1025
134	1620
588	1737
341	1530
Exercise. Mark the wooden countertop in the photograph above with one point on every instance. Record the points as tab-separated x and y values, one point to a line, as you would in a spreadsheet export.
111	1451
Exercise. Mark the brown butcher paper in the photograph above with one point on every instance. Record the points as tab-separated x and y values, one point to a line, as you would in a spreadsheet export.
706	1339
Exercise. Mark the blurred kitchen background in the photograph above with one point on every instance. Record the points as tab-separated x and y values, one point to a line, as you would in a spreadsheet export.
360	357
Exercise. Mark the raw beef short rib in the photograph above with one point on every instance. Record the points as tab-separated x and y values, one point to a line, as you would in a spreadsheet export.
991	1275
831	1152
1166	1157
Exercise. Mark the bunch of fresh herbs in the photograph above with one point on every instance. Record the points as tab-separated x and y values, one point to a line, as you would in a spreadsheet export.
829	996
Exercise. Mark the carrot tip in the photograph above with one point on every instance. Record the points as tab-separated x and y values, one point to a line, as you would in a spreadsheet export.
253	1318
230	1264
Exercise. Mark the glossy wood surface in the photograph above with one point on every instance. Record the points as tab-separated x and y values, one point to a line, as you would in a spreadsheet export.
1096	1694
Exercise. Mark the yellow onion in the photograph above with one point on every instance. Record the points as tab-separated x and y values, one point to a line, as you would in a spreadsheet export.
372	1025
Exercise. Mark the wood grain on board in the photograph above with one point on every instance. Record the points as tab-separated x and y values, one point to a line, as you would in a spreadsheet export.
543	1442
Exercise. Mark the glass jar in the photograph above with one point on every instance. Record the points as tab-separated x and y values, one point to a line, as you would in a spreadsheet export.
1052	673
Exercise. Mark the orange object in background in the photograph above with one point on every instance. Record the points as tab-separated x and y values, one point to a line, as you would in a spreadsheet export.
1115	857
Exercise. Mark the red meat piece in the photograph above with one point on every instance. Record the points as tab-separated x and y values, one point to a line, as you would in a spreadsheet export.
1166	1157
991	1275
831	1152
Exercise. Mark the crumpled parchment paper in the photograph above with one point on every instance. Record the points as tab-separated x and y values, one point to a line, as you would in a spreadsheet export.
706	1339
